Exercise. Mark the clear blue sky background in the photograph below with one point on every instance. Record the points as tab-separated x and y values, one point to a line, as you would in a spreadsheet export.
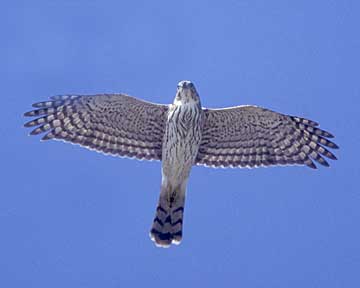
70	217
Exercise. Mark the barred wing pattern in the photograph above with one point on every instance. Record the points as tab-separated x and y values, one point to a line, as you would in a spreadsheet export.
110	123
250	136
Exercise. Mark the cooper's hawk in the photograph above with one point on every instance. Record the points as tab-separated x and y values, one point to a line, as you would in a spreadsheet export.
181	135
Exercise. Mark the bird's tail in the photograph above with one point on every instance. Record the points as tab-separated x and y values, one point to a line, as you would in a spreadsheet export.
168	221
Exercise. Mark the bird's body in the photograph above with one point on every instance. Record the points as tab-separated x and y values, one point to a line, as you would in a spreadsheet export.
181	140
179	150
181	135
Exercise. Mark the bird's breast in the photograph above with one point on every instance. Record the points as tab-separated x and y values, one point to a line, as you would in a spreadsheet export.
181	140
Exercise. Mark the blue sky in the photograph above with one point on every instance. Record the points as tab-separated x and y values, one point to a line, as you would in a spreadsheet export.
70	217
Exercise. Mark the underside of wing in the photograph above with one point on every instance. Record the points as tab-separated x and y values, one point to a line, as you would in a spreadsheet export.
114	124
250	136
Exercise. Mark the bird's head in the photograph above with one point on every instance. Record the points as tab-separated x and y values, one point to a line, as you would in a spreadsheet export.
186	93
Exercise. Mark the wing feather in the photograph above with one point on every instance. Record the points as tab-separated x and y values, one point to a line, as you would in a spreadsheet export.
251	136
115	124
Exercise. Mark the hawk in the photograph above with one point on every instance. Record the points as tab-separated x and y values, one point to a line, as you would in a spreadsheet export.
181	135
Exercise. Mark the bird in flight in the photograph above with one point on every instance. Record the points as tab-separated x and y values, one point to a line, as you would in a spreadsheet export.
181	135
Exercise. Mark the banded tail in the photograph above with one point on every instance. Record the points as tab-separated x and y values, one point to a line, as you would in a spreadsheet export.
168	221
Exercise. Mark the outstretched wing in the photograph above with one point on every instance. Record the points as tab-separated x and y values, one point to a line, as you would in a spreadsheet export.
111	123
250	136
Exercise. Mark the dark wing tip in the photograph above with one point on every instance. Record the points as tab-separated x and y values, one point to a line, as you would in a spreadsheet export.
310	164
334	146
327	134
328	154
48	136
28	124
29	114
42	104
322	161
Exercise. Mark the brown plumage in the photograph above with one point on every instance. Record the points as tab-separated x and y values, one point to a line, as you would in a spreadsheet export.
181	135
